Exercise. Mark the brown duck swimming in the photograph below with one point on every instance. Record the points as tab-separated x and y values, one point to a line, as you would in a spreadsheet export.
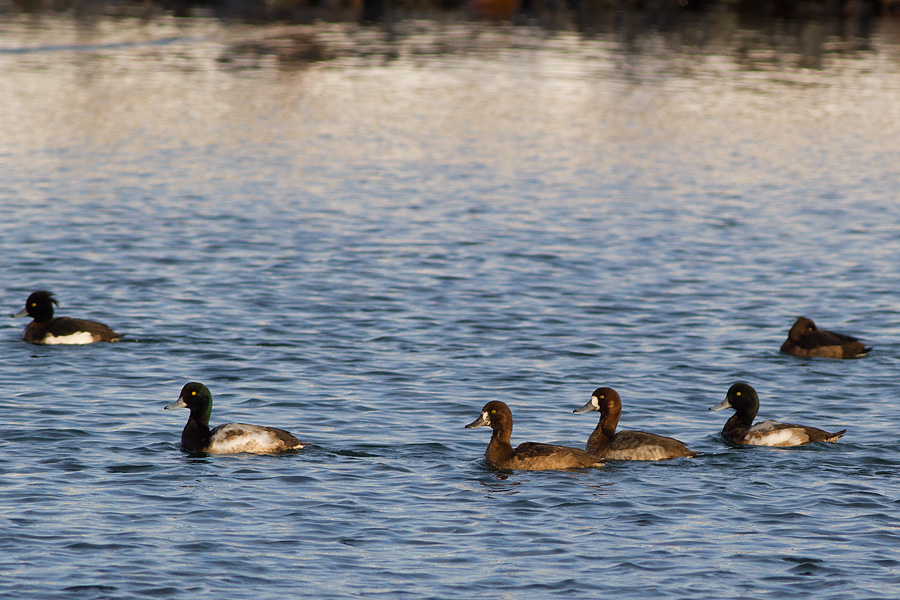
625	445
807	340
529	456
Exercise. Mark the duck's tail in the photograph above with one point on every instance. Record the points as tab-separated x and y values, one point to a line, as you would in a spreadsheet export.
833	437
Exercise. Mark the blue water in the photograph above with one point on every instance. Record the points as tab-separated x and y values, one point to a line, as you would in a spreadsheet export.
366	246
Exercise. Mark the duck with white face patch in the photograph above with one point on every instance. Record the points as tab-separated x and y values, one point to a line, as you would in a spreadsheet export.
530	456
740	430
605	443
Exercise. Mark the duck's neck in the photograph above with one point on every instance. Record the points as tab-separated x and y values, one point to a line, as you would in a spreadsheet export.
42	316
499	448
195	435
736	427
603	434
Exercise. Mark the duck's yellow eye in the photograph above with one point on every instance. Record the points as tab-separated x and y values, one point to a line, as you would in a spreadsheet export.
493	411
34	303
738	394
603	397
193	393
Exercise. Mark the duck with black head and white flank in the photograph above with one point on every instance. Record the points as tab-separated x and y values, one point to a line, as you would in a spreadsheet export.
741	430
228	438
45	329
605	443
529	456
808	341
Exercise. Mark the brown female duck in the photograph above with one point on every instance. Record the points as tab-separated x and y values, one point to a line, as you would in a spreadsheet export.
625	445
529	456
808	341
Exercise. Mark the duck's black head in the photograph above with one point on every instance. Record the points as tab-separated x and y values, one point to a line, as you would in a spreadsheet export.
196	397
742	398
39	306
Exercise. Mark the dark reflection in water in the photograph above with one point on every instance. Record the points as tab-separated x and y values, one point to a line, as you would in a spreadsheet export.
588	16
556	12
755	36
749	44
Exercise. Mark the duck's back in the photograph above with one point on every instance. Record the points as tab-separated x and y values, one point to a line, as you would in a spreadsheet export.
640	445
825	344
68	331
534	456
230	438
776	433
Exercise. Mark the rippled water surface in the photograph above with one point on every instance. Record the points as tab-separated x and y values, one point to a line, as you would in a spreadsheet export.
362	235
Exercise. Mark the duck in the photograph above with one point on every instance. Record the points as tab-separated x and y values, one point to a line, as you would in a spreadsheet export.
740	430
605	443
529	456
807	341
228	438
45	329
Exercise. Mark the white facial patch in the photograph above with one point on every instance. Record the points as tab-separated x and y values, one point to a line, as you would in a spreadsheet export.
82	337
485	418
595	402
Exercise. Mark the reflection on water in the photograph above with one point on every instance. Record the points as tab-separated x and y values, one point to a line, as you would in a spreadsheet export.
121	82
637	48
585	14
750	42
